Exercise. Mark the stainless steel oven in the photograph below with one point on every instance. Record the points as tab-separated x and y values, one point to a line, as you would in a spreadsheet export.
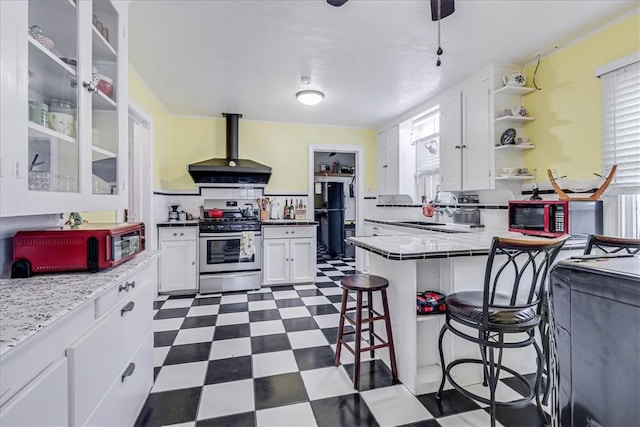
222	252
230	249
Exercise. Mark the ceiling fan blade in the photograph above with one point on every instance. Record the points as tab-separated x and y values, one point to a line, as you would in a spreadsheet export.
337	3
446	8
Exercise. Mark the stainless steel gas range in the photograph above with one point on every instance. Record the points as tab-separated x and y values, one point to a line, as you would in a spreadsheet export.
230	247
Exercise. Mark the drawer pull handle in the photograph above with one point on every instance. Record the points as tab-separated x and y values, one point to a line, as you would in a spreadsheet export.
124	287
128	307
175	234
182	234
131	285
293	232
286	232
128	372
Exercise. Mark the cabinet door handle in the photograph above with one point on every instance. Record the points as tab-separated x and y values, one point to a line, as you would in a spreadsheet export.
457	147
464	146
131	284
291	259
90	86
193	263
286	232
128	307
293	232
128	372
286	259
384	166
182	234
124	287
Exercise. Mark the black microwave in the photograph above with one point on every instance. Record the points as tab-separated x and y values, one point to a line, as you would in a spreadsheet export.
554	218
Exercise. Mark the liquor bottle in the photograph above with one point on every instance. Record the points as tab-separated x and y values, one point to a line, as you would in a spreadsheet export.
292	210
286	209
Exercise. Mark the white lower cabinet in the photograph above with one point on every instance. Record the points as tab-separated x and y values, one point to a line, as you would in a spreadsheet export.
93	363
121	404
43	402
289	254
178	259
91	367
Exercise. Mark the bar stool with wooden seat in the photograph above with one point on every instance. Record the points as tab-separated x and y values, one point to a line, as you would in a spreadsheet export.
361	283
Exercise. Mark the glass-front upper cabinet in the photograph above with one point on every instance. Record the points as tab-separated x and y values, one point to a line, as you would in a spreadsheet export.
53	162
64	106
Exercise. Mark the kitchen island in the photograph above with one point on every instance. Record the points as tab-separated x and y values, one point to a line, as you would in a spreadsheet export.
447	261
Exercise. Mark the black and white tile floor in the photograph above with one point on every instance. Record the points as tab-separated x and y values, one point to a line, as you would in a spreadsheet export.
265	358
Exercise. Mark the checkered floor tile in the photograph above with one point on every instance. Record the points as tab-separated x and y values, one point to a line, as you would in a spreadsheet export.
265	358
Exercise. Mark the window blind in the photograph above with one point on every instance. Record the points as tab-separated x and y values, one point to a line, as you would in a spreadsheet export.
621	126
426	131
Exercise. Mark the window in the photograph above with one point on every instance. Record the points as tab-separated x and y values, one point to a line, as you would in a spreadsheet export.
426	138
621	126
620	85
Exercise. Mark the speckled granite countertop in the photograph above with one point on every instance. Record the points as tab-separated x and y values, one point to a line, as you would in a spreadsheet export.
452	241
30	305
289	222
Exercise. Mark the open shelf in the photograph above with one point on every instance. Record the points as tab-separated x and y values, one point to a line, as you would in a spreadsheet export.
515	147
514	119
514	90
346	175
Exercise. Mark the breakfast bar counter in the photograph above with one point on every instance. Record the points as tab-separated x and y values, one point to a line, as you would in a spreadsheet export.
446	262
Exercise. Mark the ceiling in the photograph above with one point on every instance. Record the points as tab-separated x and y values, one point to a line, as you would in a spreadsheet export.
373	59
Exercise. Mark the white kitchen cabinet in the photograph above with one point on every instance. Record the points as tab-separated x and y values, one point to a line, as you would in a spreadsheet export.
42	402
289	255
178	259
388	161
93	363
466	159
75	158
65	373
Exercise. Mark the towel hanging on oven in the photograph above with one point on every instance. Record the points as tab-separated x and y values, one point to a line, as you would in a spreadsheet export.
247	246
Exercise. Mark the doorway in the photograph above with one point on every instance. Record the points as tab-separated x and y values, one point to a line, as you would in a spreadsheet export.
140	206
336	188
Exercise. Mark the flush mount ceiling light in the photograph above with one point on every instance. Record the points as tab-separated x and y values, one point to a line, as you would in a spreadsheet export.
309	97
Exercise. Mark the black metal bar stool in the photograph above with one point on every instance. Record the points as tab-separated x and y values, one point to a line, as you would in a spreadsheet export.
510	303
360	283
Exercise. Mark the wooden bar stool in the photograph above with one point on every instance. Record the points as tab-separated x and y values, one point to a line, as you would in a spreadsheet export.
364	283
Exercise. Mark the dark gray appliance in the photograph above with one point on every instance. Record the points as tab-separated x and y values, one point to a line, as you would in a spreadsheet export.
335	218
230	170
596	328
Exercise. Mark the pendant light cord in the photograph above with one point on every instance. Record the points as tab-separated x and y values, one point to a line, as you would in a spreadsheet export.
439	51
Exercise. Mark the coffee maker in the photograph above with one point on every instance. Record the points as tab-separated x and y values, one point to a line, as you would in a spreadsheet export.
173	213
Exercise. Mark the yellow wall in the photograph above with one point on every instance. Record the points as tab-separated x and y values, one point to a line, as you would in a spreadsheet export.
567	128
283	146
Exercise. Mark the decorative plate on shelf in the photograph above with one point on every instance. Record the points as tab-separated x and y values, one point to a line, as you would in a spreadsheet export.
508	137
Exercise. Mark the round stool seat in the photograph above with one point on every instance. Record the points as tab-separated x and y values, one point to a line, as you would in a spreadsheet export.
364	282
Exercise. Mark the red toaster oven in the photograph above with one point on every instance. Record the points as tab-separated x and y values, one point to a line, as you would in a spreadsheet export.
86	247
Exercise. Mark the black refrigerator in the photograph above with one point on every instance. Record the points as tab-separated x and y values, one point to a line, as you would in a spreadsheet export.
335	218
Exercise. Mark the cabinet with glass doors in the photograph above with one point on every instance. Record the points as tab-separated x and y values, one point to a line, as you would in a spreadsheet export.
64	106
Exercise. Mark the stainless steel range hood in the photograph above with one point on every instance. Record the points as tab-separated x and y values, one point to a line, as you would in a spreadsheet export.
230	170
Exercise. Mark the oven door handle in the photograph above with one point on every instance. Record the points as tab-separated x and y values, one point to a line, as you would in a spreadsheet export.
224	236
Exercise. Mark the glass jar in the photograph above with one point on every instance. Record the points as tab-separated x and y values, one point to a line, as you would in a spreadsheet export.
64	107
